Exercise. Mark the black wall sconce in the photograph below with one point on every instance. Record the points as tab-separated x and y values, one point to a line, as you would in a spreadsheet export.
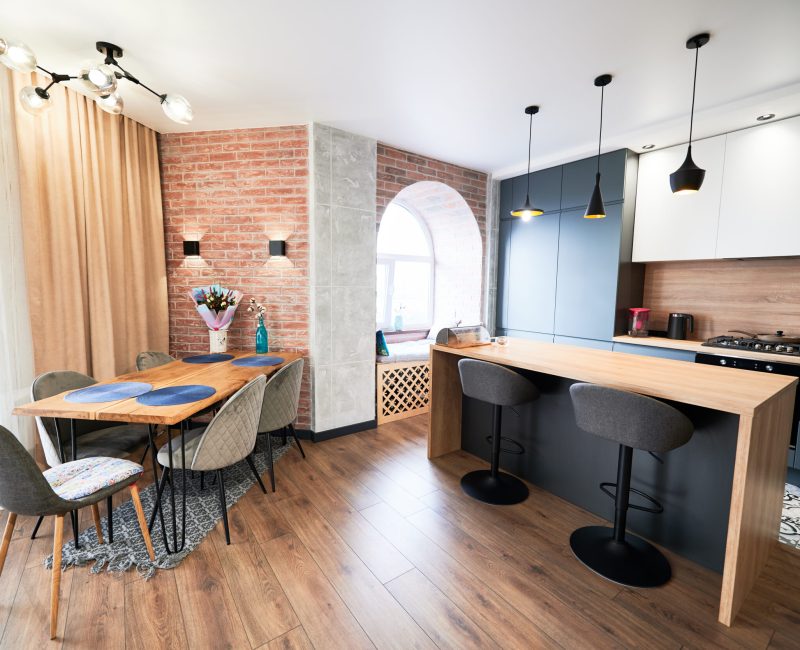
191	248
277	248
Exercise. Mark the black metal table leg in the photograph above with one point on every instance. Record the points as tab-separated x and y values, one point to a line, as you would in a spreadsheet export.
60	441
73	439
174	515
73	517
110	509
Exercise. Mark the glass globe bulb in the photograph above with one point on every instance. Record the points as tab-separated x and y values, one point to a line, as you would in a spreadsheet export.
177	108
17	56
34	100
111	103
99	78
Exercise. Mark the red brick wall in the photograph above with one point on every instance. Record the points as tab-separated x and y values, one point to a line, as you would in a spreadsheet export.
398	169
236	190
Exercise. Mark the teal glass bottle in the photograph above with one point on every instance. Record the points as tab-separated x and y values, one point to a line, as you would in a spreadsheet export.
262	339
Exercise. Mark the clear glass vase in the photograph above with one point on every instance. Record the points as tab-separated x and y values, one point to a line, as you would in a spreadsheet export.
262	338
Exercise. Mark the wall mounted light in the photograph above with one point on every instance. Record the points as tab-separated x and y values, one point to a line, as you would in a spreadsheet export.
191	248
688	178
277	248
596	209
99	78
527	211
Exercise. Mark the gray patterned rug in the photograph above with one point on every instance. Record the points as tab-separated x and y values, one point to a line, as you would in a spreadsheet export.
202	514
790	517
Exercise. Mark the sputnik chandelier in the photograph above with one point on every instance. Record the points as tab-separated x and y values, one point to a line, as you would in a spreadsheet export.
99	78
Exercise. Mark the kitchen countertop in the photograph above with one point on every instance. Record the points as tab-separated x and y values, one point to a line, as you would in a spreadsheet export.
697	346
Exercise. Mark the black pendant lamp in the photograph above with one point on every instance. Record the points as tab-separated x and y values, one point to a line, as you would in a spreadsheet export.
596	209
689	177
528	210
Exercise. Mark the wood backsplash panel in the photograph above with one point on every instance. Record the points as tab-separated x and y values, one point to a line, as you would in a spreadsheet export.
754	295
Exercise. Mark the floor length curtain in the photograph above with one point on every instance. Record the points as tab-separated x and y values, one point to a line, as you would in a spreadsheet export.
94	239
16	350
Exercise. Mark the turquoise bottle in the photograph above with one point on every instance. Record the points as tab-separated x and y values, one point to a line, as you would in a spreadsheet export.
262	339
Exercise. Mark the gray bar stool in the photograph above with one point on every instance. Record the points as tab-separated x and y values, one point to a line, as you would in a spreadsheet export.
635	422
500	387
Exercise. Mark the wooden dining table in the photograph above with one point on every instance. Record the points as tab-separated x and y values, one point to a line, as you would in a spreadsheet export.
223	376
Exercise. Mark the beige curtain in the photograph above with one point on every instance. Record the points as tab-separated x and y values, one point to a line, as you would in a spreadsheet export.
93	235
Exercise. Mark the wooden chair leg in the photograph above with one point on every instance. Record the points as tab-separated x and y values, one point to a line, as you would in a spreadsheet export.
58	540
9	531
98	528
137	504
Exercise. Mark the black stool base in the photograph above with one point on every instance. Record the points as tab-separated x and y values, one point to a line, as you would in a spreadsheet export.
502	490
632	562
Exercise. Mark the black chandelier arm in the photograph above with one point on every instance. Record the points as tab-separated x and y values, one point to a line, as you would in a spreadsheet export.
127	75
55	77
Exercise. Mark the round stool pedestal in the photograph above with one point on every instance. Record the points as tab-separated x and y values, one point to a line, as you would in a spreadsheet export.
501	490
632	562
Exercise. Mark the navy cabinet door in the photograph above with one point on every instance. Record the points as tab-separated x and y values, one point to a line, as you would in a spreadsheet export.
588	265
578	179
532	268
503	257
545	190
506	198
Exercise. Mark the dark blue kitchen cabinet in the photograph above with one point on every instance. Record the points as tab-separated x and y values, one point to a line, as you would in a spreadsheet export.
532	268
578	179
560	274
588	266
503	246
545	190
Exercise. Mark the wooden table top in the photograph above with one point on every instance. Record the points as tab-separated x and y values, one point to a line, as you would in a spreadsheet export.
225	377
724	389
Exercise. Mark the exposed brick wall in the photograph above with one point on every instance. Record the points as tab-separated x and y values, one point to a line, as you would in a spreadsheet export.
398	169
236	190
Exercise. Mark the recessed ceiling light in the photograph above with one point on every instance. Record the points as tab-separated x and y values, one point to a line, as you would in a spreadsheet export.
648	146
765	117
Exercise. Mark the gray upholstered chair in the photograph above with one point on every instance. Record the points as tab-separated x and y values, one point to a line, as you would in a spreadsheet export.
95	437
281	400
25	490
499	386
634	422
228	439
152	359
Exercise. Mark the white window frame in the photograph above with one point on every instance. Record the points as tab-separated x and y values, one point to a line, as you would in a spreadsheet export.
389	260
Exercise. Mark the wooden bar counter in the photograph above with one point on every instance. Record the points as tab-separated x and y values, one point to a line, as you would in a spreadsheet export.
762	403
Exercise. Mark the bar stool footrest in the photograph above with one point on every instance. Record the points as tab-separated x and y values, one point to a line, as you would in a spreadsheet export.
657	508
518	448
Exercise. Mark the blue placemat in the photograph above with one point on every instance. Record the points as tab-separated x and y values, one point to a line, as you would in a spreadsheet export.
254	362
108	392
172	395
208	358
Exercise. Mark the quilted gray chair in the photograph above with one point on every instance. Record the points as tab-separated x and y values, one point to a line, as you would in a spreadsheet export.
152	359
281	398
228	439
95	437
25	490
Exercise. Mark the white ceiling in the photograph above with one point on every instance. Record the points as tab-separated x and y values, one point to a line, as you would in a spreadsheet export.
445	78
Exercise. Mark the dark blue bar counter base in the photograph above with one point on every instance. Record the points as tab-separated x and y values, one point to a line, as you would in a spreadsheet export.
694	482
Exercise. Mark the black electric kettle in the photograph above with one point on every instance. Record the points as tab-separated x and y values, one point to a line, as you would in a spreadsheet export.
676	325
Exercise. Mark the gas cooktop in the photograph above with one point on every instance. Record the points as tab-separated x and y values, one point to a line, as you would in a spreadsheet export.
753	345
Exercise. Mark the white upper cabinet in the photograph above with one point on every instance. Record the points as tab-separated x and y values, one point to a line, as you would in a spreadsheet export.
759	213
683	226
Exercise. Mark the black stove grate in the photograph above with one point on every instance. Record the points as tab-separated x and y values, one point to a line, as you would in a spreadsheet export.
753	345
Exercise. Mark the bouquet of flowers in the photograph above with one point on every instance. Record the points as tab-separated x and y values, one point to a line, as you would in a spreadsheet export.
216	305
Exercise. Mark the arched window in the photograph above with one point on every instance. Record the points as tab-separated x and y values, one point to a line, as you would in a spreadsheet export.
405	271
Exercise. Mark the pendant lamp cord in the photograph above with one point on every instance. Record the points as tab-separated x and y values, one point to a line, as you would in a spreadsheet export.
694	90
530	141
600	137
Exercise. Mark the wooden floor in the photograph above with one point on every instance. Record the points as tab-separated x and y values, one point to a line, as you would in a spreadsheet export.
368	544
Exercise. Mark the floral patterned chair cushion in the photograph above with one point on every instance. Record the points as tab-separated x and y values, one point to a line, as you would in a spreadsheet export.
80	478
